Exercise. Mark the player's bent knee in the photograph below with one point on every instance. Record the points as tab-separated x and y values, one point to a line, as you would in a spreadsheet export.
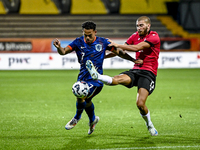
140	104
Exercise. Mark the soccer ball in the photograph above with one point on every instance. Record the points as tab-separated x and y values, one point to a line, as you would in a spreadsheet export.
80	89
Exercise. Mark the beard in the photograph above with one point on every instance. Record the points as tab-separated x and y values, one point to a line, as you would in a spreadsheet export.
144	32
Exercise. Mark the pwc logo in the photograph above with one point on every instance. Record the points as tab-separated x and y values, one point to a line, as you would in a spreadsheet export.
13	60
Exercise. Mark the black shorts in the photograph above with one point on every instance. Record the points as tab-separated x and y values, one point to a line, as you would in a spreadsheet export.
141	79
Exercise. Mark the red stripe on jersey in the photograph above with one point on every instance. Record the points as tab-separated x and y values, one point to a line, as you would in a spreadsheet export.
112	49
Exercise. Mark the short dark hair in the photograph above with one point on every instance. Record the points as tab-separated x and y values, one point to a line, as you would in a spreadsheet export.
89	25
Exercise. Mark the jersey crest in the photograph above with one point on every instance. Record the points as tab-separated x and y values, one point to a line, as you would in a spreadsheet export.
98	47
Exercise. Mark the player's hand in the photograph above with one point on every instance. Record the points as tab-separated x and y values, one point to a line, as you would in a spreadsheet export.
112	43
56	43
138	61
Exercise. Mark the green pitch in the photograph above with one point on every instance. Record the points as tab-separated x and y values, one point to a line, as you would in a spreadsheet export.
36	105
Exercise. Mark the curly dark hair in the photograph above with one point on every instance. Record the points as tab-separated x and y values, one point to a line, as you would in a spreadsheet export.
89	25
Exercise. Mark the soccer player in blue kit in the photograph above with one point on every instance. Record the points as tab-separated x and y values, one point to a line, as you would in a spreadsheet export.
89	47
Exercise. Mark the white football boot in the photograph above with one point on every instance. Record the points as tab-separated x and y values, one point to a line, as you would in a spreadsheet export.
152	130
71	124
90	67
93	124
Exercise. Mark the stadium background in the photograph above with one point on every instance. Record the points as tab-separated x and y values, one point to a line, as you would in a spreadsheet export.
36	100
28	28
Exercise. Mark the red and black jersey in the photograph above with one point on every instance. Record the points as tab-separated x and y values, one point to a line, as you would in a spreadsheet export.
149	55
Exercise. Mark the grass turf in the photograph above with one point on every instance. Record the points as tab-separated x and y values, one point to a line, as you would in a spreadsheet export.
36	105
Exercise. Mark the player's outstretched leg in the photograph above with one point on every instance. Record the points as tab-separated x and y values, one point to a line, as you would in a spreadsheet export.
93	124
95	75
72	123
93	72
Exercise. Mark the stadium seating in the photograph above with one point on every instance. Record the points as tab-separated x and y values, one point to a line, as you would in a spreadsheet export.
175	28
2	9
143	7
88	7
44	19
67	26
38	7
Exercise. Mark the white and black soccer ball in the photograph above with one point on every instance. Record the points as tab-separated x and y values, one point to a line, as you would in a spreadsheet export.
80	89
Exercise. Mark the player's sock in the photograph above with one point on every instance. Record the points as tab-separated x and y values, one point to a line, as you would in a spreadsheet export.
79	109
90	112
147	118
105	79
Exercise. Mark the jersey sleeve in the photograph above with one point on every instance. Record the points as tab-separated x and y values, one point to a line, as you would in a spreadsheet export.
130	39
111	48
153	39
70	47
73	45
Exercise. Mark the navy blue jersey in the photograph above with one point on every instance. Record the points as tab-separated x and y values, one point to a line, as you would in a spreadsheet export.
94	52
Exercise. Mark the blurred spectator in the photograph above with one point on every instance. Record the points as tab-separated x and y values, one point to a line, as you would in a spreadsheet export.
112	6
11	6
63	5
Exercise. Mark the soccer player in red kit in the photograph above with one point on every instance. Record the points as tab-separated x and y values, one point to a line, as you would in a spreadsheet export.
146	44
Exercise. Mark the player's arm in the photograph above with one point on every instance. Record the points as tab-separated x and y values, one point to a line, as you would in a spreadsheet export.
109	55
134	48
61	50
124	55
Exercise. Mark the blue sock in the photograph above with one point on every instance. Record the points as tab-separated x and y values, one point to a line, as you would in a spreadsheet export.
90	112
79	109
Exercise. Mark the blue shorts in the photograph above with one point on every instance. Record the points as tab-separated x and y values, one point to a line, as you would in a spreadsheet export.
94	90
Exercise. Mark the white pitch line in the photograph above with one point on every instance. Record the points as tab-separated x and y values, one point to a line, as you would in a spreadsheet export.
159	147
